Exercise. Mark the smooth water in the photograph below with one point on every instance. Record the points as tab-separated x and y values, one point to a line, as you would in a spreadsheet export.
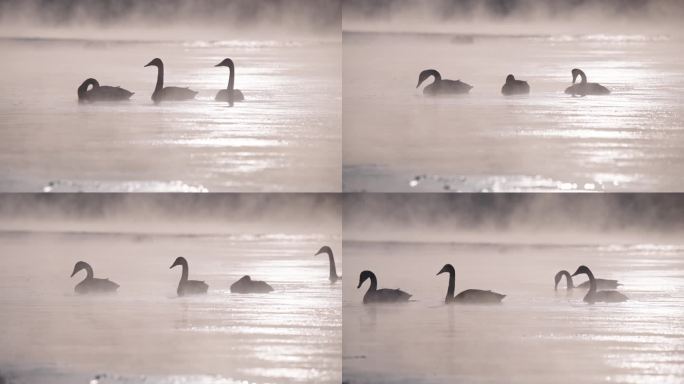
537	335
144	333
395	139
284	137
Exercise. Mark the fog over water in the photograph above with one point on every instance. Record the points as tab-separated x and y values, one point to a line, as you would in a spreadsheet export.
144	333
514	245
396	139
285	136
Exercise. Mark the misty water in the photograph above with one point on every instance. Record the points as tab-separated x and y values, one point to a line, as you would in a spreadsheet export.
284	137
144	333
395	139
537	335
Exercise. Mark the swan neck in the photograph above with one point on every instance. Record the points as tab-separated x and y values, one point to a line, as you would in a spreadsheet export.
452	287
231	78
374	284
184	275
583	77
333	271
568	280
89	272
160	78
592	282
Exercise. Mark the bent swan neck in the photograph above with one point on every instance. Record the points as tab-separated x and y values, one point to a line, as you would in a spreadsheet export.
89	272
184	275
568	279
583	77
374	283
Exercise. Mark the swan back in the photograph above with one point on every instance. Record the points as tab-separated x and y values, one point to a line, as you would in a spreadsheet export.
247	285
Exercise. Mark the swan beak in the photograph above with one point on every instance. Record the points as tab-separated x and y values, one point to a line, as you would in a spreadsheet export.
149	64
359	286
575	274
73	273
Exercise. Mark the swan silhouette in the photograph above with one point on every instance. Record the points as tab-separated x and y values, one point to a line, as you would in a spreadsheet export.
247	285
469	296
594	295
229	94
333	272
162	93
375	295
90	284
101	92
515	87
584	88
600	283
185	286
441	87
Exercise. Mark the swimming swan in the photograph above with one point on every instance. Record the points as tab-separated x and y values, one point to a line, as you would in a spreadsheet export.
593	295
225	94
600	283
101	92
375	295
584	88
469	296
91	284
247	285
515	87
441	87
185	286
333	272
162	93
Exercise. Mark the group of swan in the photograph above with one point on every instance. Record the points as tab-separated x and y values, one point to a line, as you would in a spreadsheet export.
479	296
385	295
512	86
161	93
186	286
606	295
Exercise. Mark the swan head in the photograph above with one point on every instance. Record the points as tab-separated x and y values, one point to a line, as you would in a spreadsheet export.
245	278
179	261
425	75
156	62
575	73
365	275
83	88
80	265
582	269
324	249
226	63
510	79
447	268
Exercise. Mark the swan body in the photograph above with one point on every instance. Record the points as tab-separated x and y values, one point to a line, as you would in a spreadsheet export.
469	296
185	286
229	94
600	283
375	295
515	87
595	296
162	93
90	284
333	272
584	88
101	92
442	87
247	285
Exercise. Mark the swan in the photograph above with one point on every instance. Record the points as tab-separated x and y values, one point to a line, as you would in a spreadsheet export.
247	285
226	94
441	87
101	92
584	88
375	295
515	87
333	272
600	283
162	93
469	296
91	284
185	286
593	295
